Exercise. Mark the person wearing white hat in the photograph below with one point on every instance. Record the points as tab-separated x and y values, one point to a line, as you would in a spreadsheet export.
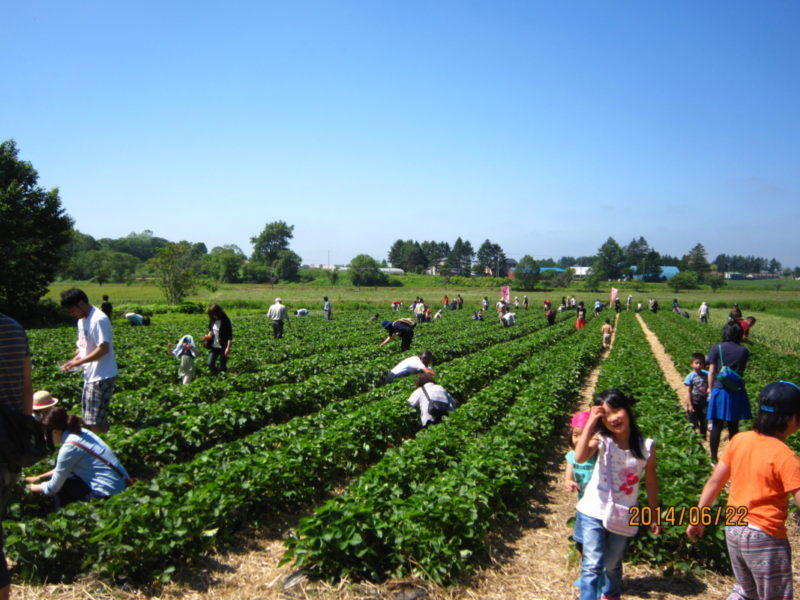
186	352
278	313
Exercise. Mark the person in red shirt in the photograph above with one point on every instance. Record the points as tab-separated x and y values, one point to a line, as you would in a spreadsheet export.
746	324
763	472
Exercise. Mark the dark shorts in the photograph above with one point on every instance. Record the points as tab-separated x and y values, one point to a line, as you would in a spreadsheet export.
95	400
8	478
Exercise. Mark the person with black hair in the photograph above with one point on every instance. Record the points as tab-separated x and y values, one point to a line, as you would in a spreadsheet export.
106	306
95	354
728	403
86	468
623	457
763	472
696	384
219	339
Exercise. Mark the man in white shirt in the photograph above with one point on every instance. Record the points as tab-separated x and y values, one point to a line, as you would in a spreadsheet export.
411	365
432	400
278	313
509	319
95	353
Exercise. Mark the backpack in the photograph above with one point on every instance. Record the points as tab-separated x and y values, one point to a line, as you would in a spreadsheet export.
22	439
728	377
406	321
436	408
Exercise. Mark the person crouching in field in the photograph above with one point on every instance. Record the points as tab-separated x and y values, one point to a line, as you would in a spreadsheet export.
433	401
402	328
185	351
86	468
412	365
763	472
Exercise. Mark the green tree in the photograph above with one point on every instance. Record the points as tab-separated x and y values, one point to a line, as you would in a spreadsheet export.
107	265
365	270
527	272
287	265
697	261
177	270
490	257
459	261
715	281
35	231
142	245
268	244
685	280
563	280
226	263
592	282
609	261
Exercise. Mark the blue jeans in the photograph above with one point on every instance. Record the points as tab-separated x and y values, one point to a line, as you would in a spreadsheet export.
602	552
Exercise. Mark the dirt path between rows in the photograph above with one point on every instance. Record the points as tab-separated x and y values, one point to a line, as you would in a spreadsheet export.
532	559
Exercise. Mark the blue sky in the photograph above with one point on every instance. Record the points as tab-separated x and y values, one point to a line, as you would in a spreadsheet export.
544	126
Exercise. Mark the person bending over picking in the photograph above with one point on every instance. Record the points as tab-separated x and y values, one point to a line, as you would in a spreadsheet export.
412	365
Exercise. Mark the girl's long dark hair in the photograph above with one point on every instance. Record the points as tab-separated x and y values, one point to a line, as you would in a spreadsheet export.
616	399
58	418
215	313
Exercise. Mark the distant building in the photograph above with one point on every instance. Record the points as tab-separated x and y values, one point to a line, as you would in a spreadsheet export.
667	272
392	271
581	271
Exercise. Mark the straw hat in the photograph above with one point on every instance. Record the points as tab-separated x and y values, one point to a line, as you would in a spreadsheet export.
43	399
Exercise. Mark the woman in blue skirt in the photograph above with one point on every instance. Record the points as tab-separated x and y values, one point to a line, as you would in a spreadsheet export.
728	403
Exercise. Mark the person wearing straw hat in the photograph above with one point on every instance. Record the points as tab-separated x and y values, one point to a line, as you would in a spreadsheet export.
86	468
43	401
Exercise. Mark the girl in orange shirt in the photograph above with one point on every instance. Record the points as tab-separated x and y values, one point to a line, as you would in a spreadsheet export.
763	471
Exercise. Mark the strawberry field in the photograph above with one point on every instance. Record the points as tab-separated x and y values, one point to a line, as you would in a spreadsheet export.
306	425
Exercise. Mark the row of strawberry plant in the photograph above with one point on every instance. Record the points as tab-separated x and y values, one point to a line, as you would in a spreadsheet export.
426	507
683	464
188	506
764	366
192	427
136	408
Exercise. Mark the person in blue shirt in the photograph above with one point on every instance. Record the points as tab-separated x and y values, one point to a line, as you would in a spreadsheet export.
86	468
696	384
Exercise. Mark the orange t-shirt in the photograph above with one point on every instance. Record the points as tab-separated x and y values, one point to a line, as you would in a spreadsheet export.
764	471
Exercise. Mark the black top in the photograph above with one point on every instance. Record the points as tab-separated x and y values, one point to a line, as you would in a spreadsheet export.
225	331
735	357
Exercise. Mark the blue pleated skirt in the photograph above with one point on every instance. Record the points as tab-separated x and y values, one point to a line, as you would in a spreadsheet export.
728	406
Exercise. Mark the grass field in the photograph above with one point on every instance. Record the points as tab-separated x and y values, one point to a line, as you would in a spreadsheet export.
751	295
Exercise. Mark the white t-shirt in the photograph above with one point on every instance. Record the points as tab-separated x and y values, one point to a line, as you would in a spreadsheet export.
408	366
626	474
509	318
93	331
302	312
419	399
215	330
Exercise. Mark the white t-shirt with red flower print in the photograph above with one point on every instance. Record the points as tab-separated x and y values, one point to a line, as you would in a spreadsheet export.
626	473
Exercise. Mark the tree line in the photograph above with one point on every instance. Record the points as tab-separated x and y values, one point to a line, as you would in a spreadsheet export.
40	244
